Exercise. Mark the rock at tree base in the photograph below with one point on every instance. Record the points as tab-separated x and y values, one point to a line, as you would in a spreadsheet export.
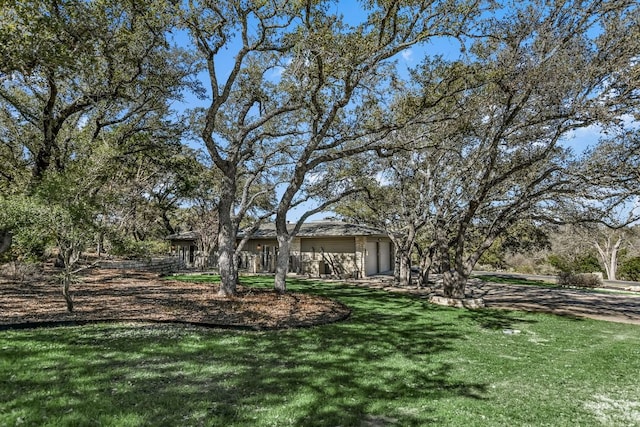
470	303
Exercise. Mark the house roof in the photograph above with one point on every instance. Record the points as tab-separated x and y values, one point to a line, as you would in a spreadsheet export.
309	229
183	236
319	229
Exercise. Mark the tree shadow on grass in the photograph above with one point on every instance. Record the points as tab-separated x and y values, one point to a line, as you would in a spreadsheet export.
495	319
386	365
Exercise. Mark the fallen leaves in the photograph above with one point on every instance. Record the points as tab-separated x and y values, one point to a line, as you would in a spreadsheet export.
112	295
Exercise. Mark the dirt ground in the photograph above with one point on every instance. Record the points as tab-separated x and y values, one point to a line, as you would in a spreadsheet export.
113	295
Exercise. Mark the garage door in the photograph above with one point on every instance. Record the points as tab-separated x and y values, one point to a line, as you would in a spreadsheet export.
385	256
371	259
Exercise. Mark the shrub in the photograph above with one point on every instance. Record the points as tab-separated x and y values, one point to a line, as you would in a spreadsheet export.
559	262
587	263
494	257
584	263
135	249
581	280
521	263
128	248
21	271
630	269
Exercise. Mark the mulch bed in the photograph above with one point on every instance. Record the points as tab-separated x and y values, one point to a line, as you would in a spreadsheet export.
114	295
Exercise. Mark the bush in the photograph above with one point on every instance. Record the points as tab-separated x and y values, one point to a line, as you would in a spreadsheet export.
129	248
521	263
585	263
493	257
559	262
21	271
581	280
135	249
630	269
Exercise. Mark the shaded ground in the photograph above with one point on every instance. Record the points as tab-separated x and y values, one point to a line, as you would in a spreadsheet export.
110	295
612	307
623	308
106	295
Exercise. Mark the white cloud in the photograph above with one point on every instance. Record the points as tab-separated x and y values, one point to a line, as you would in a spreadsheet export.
407	55
278	70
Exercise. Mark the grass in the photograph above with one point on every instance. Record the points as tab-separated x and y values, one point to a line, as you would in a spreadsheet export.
397	361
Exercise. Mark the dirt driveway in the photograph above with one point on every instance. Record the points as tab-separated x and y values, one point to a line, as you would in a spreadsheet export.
612	307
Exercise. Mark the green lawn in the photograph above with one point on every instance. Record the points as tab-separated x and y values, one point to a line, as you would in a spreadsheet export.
396	361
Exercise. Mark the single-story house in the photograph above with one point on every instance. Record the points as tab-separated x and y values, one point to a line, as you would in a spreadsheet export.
332	248
184	247
322	248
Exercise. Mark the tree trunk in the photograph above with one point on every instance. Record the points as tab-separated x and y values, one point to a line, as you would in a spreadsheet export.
402	268
227	248
70	254
396	264
282	263
609	256
226	263
167	223
424	277
100	243
5	241
613	266
405	267
66	281
426	262
455	279
454	283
